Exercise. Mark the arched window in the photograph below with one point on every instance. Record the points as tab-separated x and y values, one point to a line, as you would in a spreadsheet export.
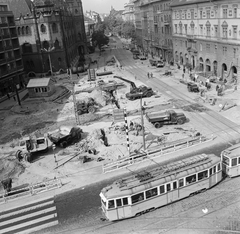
43	28
28	30
54	28
56	44
45	44
19	31
23	30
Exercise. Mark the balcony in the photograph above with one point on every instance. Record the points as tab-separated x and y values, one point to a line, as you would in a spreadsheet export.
2	61
3	24
6	35
11	24
8	47
14	35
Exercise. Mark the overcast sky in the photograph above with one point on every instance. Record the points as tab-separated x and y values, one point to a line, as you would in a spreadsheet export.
103	6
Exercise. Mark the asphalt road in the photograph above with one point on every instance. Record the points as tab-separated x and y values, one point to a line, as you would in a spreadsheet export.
79	210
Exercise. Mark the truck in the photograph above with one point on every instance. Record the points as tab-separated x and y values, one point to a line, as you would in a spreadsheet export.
65	136
30	145
158	119
138	92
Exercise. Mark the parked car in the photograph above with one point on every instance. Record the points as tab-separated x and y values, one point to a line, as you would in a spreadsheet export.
160	64
142	57
192	87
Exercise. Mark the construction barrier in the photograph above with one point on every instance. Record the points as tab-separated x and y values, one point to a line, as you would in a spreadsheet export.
31	190
154	153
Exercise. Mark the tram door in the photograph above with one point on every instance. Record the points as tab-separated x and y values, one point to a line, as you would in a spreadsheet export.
213	176
172	192
123	211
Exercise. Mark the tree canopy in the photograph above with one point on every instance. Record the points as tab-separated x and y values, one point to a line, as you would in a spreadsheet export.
99	39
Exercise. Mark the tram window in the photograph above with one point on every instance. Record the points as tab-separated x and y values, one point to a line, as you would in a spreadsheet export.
111	204
234	162
104	203
125	201
151	193
210	171
238	160
181	183
137	198
202	175
162	189
168	187
191	179
119	202
219	166
225	160
214	169
174	184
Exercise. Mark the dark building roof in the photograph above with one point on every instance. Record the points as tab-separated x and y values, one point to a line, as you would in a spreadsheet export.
187	2
19	7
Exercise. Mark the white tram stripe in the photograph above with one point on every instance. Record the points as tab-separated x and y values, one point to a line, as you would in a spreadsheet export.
31	215
22	225
40	227
26	209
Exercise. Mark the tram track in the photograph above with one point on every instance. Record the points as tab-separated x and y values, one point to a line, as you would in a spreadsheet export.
218	125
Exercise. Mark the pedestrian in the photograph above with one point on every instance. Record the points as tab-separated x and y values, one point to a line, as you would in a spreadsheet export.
183	76
151	75
14	98
8	96
77	75
184	69
148	75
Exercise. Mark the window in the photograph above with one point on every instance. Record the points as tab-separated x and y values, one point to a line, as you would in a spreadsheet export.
201	29
208	30
234	162
224	13
202	175
234	32
43	28
175	28
207	47
44	89
214	169
191	179
125	201
210	172
111	204
219	166
168	187
230	13
137	198
200	47
119	202
239	160
201	14
3	8
208	14
174	184
151	193
181	183
224	50
192	14
216	30
224	32
162	189
225	160
215	49
235	12
234	52
185	26
54	28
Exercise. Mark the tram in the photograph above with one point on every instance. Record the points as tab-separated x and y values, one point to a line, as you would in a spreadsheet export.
145	191
230	158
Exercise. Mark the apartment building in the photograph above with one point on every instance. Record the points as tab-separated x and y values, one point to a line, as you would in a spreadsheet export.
206	35
138	23
11	65
128	13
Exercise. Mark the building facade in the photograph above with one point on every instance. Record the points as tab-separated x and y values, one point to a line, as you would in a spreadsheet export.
52	36
11	65
206	35
128	13
138	23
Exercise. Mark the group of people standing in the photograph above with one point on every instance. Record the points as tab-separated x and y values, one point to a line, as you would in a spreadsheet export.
149	75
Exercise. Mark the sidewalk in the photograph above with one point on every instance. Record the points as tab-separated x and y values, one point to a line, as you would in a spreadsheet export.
6	103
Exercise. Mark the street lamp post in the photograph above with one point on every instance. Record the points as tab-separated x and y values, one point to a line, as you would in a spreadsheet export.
142	121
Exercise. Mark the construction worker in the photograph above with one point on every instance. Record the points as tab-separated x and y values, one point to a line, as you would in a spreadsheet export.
148	75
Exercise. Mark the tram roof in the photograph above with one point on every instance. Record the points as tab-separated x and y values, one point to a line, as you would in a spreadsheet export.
233	151
160	175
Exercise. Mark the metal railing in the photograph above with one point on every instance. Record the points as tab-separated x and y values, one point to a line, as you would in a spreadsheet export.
167	148
30	190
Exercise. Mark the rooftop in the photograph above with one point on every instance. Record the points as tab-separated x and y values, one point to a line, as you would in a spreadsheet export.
39	82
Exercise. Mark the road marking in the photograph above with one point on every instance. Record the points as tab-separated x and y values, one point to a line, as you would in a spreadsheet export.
31	215
26	209
22	225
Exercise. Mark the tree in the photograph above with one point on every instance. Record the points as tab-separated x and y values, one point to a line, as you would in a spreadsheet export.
100	27
128	30
99	39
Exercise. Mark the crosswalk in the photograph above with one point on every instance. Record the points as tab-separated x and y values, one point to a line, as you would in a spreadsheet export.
29	218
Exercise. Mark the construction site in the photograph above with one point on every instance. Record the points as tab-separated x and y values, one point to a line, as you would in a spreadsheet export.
102	118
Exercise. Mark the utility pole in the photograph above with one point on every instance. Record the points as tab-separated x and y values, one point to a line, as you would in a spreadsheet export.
142	122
